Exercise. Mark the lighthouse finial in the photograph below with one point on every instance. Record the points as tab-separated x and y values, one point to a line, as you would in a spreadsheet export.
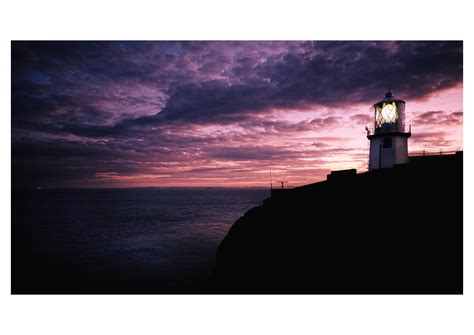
388	94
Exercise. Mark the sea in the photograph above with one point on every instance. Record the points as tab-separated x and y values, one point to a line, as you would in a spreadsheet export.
134	240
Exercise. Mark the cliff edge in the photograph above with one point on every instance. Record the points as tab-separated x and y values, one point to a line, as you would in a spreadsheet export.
397	230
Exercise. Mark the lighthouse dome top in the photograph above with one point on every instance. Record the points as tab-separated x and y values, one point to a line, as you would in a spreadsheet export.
389	114
389	98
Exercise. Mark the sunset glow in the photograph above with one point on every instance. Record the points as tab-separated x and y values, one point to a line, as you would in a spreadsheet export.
140	114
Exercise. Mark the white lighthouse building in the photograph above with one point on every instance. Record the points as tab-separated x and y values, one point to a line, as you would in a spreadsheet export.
388	140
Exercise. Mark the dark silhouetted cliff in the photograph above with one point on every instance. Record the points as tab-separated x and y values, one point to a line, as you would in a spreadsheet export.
395	230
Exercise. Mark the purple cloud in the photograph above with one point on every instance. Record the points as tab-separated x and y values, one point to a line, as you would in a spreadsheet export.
84	109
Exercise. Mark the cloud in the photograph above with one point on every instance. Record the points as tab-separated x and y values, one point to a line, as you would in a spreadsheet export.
85	109
362	119
431	139
326	73
261	153
439	118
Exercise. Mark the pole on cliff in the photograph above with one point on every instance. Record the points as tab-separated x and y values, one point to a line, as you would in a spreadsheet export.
271	184
282	182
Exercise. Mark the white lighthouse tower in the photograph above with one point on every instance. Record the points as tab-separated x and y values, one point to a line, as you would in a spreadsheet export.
388	140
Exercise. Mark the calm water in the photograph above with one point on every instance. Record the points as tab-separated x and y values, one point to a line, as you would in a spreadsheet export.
163	238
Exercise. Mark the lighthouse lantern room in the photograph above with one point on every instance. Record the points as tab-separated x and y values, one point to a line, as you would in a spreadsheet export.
388	139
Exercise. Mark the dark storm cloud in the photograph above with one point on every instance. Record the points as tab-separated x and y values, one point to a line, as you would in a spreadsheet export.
327	73
144	98
338	74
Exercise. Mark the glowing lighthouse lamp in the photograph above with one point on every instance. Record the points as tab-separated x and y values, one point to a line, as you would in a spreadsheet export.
388	141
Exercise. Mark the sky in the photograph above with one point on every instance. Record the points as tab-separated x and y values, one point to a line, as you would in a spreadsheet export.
221	113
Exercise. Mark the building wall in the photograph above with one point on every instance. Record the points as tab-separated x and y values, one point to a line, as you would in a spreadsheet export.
401	150
397	154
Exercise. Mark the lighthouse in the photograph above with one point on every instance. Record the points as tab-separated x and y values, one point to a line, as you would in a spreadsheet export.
388	139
